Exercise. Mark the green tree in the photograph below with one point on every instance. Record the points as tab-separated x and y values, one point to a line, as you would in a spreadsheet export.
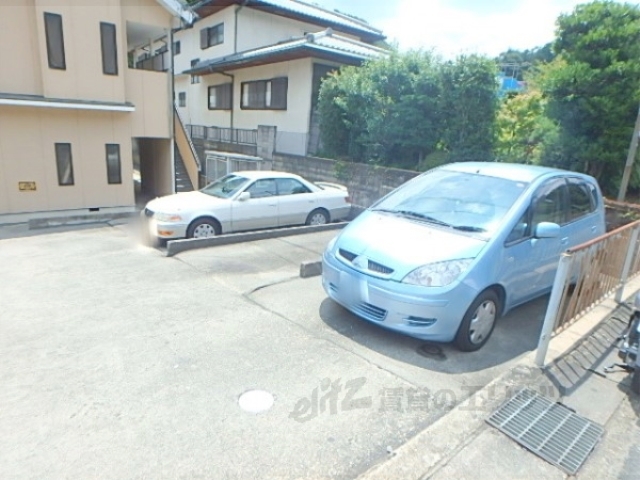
469	98
403	109
592	89
522	128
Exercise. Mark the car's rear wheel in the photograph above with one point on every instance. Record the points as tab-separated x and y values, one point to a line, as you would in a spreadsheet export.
317	217
203	228
479	321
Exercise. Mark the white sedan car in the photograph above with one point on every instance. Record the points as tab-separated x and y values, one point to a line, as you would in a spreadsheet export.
246	201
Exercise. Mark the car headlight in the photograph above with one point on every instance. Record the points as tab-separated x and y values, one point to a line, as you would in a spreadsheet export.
167	217
439	274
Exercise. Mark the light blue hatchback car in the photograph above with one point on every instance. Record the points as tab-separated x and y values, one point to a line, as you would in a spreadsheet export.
443	256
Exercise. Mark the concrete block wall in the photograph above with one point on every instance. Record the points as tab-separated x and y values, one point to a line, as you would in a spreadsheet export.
366	183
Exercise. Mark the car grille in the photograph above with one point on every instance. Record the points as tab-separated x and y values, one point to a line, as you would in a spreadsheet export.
370	312
148	213
371	265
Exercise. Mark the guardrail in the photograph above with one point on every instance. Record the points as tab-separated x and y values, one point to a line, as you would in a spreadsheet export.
586	275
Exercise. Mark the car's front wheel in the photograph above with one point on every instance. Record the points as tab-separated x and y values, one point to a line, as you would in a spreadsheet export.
317	217
479	321
203	228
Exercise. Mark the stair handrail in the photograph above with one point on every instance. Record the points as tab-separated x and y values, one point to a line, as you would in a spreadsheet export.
191	145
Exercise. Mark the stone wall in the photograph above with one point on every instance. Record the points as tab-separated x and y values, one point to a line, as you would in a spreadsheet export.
366	183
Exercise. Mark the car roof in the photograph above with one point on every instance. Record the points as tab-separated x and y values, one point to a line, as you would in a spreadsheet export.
512	171
257	174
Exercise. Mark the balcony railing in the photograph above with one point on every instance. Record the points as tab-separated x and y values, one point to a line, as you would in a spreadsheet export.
227	135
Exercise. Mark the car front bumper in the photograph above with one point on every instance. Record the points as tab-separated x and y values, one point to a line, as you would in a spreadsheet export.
162	230
397	306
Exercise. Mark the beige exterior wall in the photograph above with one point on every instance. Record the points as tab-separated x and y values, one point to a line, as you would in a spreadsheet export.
83	78
190	40
150	92
19	22
28	134
257	28
27	148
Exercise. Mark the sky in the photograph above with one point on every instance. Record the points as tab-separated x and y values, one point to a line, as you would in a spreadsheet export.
453	27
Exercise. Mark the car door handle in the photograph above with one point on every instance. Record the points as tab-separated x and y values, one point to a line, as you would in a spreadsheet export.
564	241
593	229
272	205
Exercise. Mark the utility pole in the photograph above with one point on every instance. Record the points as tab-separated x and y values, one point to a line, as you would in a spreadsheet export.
631	156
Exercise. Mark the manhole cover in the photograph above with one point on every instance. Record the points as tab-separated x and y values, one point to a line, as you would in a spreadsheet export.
255	401
550	430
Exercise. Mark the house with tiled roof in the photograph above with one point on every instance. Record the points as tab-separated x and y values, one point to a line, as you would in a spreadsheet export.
250	63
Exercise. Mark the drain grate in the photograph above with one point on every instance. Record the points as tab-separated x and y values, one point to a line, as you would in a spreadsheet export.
550	430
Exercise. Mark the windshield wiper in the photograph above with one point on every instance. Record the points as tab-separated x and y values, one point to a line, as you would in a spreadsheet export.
469	228
422	216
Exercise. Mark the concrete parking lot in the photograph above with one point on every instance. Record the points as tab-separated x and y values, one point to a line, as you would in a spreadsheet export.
118	362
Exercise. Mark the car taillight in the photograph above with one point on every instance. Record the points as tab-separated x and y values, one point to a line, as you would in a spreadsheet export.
347	199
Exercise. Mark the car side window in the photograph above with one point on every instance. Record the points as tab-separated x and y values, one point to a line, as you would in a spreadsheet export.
265	187
290	186
521	230
549	203
581	201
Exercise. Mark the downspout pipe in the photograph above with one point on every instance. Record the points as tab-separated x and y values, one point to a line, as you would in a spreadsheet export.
235	26
233	87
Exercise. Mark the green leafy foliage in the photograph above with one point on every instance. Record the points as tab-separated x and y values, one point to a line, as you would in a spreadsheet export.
592	89
402	109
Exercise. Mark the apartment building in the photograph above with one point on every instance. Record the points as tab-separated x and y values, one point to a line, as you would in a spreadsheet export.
246	63
86	104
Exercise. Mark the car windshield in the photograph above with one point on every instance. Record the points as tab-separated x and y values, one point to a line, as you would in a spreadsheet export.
463	201
226	186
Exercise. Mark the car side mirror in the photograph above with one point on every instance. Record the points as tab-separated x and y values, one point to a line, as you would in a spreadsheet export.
244	196
547	230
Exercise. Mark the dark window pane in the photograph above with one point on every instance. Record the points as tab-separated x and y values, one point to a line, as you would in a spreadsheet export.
265	94
55	40
220	97
182	99
204	38
114	174
176	48
262	188
290	186
64	164
109	48
279	93
579	201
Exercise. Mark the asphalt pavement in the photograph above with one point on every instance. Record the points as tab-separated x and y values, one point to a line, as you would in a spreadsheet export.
118	362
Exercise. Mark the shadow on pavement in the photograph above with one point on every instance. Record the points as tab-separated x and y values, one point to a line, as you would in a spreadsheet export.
515	334
571	370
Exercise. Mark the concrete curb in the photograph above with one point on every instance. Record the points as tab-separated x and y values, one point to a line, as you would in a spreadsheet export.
310	269
178	246
39	223
434	447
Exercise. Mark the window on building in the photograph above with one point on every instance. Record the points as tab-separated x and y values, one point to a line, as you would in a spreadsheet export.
265	94
64	164
212	36
195	78
176	48
220	97
182	99
114	169
109	48
55	40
